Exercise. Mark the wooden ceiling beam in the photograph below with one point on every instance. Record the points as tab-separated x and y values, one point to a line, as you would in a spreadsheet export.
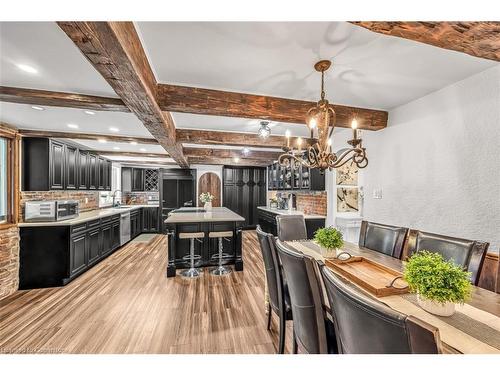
209	137
232	104
225	153
479	39
115	51
87	136
227	161
61	99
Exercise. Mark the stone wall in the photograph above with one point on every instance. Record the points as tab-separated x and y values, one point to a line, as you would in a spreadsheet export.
9	260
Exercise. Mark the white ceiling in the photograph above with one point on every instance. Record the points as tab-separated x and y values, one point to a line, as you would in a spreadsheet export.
23	116
123	147
45	47
276	58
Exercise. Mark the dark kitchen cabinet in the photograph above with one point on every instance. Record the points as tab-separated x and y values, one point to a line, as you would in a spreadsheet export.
267	222
115	234
78	253
150	220
83	170
56	165
94	245
302	178
137	179
135	223
107	238
53	165
244	190
71	168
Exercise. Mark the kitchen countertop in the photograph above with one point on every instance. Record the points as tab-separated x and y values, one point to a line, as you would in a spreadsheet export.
88	215
216	214
293	212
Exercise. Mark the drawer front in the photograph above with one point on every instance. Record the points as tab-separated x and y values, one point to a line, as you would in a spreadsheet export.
106	219
94	223
79	228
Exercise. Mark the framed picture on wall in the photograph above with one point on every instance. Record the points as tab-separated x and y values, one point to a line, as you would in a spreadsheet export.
347	174
347	199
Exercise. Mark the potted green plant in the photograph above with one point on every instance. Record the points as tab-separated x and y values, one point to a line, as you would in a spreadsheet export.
330	240
206	199
439	284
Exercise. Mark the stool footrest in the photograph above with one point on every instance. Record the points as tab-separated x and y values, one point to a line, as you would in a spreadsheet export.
188	257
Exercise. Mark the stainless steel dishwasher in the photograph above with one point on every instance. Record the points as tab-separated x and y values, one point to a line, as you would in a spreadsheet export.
124	227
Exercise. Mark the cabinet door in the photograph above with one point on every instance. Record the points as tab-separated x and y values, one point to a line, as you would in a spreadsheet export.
155	220
83	170
102	175
109	174
94	243
71	168
146	219
107	239
78	253
137	179
93	170
115	233
186	193
56	166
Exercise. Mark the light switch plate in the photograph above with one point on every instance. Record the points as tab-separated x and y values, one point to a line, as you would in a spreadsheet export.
377	193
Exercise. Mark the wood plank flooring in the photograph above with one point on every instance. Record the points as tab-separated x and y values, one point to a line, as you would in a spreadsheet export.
126	304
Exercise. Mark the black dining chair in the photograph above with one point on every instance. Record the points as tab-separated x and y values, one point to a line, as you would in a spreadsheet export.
279	299
291	227
313	333
386	239
466	253
366	326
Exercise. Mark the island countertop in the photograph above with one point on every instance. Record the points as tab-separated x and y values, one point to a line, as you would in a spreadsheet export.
214	215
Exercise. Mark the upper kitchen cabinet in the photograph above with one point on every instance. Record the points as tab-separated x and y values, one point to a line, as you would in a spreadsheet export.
287	178
54	165
139	179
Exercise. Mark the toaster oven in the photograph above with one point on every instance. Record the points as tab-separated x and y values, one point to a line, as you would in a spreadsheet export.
50	210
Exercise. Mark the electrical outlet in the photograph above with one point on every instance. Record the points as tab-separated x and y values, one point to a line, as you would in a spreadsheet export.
377	193
86	200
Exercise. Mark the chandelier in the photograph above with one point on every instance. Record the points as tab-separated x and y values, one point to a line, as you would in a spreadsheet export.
321	119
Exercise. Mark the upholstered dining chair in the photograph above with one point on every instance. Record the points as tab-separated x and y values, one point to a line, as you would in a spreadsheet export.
279	299
313	333
366	326
386	239
291	227
466	253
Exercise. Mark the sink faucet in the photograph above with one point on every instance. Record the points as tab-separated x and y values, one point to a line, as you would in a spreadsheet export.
114	196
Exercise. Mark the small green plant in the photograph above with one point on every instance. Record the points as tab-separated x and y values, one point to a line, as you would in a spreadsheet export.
329	238
206	197
429	275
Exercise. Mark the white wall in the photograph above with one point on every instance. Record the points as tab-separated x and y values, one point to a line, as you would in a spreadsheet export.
438	162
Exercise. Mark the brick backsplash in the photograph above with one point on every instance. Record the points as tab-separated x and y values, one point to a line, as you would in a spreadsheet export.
92	198
9	261
311	202
140	197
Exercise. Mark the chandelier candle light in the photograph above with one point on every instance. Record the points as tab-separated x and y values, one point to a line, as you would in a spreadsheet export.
321	119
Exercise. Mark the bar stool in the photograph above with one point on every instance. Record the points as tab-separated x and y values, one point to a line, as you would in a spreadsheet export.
221	270
192	236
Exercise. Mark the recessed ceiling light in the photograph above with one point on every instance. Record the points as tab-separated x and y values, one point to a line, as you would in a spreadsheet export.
246	151
116	148
236	160
27	68
113	129
102	140
142	149
38	108
90	113
73	126
133	143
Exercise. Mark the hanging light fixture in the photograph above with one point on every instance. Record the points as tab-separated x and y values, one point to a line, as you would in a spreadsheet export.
264	130
320	120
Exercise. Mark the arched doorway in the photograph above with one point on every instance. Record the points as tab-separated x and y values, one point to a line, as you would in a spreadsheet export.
210	182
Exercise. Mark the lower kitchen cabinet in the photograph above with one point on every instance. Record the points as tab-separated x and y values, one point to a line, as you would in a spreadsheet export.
78	253
94	244
135	223
267	222
150	220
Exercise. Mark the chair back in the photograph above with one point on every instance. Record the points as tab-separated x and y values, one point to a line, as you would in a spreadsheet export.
274	275
291	227
302	276
385	239
366	326
466	253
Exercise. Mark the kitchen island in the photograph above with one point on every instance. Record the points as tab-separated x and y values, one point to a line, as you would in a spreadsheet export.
191	219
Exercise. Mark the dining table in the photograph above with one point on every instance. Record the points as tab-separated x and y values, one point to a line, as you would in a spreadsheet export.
474	328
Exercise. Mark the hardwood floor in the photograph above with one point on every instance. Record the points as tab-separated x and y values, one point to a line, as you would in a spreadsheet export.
126	304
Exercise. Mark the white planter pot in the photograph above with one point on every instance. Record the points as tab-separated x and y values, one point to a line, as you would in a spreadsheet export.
436	308
208	206
328	253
